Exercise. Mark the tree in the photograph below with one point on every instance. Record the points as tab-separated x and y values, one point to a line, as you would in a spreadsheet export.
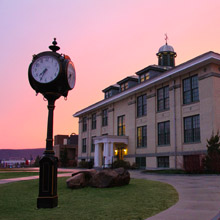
212	159
37	160
64	157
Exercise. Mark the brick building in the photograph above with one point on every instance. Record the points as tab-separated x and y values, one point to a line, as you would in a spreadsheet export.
70	143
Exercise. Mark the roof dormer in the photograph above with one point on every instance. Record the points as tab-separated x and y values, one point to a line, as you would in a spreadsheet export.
111	91
150	72
127	83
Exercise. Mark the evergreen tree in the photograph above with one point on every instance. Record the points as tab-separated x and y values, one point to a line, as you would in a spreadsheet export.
64	157
37	160
212	160
213	146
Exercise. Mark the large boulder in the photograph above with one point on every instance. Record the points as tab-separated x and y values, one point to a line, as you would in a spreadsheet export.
111	178
104	178
77	181
100	179
123	177
80	179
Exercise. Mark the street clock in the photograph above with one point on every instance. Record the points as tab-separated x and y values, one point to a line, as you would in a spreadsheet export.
51	72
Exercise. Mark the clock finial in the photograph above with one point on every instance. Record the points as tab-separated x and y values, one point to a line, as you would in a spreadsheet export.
54	47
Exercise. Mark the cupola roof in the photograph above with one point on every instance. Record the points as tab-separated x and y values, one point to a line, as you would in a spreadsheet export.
166	48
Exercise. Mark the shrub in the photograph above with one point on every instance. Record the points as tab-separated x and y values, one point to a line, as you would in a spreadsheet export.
121	163
134	166
86	164
192	164
72	163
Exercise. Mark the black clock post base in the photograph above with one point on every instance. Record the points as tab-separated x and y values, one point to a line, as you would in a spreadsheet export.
48	182
47	202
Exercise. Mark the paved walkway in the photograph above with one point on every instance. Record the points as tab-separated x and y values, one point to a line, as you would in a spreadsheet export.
68	173
199	195
11	180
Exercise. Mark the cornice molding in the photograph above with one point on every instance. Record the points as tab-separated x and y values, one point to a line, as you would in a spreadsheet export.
207	75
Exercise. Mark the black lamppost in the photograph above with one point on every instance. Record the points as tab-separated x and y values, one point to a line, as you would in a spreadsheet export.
53	75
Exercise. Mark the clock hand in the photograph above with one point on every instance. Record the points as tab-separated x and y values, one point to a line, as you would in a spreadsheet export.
42	74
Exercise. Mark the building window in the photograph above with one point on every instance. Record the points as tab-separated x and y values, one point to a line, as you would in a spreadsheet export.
163	162
105	117
165	60
92	144
190	90
142	136
141	162
84	128
141	105
84	145
144	77
192	129
94	121
124	86
163	99
121	125
108	94
164	133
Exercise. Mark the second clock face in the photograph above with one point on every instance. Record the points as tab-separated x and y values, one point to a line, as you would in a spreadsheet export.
45	69
71	75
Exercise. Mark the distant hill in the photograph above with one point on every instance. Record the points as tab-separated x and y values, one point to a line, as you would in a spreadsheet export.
19	154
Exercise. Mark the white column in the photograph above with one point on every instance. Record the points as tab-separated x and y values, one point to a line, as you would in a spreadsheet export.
105	154
96	159
111	152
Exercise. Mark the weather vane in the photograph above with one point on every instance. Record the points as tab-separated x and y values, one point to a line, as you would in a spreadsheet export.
166	38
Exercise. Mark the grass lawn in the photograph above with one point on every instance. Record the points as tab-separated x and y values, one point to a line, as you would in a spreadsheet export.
136	201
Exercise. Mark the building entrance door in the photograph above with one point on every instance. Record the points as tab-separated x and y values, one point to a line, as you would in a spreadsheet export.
120	153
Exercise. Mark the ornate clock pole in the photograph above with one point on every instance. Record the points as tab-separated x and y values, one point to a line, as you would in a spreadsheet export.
53	75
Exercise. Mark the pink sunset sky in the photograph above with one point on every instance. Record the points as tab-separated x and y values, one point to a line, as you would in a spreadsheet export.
106	39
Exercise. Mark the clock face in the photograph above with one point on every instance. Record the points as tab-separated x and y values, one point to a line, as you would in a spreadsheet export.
71	75
45	69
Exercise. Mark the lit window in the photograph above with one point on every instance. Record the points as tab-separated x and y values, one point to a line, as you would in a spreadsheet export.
121	125
144	77
124	86
147	76
142	136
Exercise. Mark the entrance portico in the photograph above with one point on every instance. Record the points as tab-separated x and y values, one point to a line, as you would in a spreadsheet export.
104	149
